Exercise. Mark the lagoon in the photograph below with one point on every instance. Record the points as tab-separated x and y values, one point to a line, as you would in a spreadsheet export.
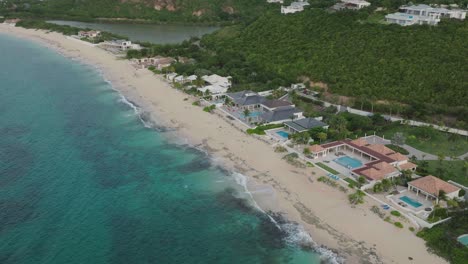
158	34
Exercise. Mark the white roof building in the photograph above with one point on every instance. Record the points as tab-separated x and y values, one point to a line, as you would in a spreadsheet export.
355	4
425	10
275	1
404	19
294	7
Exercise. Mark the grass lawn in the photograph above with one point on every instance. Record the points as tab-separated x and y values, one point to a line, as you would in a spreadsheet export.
430	140
325	167
451	170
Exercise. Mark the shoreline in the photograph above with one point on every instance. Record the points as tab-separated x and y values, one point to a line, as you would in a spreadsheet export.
320	209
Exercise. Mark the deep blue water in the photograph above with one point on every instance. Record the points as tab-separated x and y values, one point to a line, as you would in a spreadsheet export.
83	181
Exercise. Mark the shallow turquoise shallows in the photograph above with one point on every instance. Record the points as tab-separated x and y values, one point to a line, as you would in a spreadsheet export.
83	181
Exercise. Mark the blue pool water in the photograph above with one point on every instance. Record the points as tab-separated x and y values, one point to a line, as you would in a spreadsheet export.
410	201
251	114
463	239
348	162
283	134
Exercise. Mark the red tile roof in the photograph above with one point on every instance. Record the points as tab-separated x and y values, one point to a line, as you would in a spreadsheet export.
433	185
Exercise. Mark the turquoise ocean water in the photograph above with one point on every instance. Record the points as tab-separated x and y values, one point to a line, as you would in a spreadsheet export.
82	180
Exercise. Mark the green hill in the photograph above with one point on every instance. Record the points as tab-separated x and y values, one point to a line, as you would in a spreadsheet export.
419	71
153	10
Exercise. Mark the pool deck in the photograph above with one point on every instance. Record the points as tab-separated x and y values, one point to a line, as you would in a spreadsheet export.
329	161
419	211
273	133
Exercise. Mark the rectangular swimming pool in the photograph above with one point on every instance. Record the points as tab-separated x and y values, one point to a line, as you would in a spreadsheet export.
348	162
410	201
251	114
283	134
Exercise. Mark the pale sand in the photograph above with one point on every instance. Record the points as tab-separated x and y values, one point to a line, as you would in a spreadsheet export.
355	233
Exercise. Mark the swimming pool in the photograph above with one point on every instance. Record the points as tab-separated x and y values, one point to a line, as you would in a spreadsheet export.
348	162
463	239
283	134
410	201
251	114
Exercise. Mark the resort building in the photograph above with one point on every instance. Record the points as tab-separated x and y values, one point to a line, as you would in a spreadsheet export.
380	162
217	84
350	4
294	7
431	187
89	34
304	124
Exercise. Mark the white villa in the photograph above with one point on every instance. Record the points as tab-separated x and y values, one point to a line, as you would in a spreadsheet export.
351	4
275	1
158	62
294	7
185	79
119	45
216	84
431	187
423	15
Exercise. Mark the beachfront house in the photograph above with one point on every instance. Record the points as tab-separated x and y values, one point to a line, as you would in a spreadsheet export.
305	124
89	34
431	188
119	45
171	76
294	7
185	79
246	100
275	1
423	15
281	114
374	162
216	84
350	4
160	62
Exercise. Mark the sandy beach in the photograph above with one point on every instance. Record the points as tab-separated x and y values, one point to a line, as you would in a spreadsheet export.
357	234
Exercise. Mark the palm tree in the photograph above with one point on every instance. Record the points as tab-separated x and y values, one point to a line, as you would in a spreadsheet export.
246	113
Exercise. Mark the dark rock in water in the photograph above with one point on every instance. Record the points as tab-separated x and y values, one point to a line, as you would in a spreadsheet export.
15	160
200	163
14	212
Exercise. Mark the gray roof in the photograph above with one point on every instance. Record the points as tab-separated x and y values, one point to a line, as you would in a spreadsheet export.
304	124
276	103
279	114
246	98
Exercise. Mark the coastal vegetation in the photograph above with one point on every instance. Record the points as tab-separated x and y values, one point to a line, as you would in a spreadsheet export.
357	197
64	29
381	68
442	238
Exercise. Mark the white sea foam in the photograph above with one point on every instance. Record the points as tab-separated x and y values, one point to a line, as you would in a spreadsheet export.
296	234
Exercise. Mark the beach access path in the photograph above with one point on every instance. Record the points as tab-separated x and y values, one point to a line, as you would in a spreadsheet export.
357	234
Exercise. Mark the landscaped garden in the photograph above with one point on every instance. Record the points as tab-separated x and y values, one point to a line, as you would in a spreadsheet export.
430	140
